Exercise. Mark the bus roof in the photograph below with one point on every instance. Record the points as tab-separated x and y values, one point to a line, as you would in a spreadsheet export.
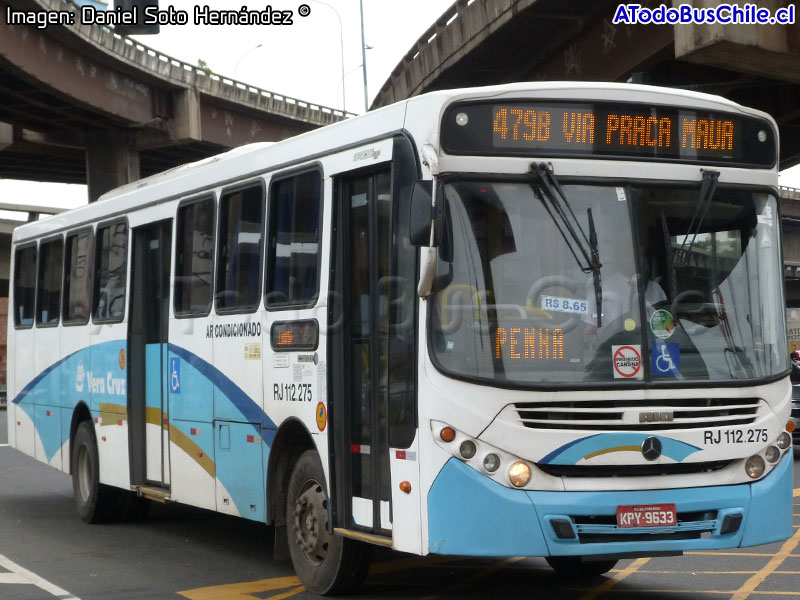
253	159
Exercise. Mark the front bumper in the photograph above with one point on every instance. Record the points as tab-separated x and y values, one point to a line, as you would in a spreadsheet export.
470	514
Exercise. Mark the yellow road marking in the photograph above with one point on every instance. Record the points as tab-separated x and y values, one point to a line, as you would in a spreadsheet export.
477	577
751	584
611	582
245	591
288	594
657	572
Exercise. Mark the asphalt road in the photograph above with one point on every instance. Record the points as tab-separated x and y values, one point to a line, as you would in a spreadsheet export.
179	552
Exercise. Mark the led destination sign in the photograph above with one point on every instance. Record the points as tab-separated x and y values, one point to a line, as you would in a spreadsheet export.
606	130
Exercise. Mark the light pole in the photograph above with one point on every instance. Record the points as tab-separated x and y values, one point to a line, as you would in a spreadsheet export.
341	81
364	56
341	50
236	68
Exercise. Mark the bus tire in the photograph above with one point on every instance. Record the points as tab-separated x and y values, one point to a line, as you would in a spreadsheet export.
575	567
327	564
95	502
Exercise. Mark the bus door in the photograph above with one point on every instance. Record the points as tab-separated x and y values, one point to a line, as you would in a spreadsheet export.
149	366
359	356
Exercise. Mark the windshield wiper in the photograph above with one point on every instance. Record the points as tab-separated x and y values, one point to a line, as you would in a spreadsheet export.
707	188
555	202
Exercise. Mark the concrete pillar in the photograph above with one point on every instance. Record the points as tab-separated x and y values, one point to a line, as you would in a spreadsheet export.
187	121
6	135
763	50
111	161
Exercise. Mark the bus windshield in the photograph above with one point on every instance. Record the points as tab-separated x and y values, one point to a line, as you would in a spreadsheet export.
689	288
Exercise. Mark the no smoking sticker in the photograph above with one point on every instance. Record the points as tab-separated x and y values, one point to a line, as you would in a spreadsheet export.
627	361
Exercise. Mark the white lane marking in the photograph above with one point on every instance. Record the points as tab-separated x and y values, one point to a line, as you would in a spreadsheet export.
3	445
29	577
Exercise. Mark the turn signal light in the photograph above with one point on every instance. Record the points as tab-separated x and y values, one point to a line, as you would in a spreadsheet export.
405	487
448	434
790	426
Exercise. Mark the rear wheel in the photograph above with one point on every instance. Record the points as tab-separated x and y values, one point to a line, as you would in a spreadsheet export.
326	563
575	567
96	503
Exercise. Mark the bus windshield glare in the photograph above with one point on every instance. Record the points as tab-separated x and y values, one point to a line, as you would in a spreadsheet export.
686	286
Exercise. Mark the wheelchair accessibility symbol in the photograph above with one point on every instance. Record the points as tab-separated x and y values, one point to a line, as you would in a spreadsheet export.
666	359
175	375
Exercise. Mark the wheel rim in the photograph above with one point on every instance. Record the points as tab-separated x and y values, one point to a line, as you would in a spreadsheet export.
84	473
311	521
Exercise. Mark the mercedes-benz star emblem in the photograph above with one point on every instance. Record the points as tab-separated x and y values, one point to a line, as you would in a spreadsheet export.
651	448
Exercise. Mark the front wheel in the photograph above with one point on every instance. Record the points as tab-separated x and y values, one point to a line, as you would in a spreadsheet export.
327	564
575	567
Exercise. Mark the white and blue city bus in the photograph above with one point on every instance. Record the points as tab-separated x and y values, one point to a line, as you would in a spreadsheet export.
530	319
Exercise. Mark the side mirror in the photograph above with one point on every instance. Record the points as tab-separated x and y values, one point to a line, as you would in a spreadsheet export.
421	213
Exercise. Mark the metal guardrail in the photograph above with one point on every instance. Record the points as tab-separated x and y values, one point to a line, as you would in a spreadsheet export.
448	18
181	74
789	193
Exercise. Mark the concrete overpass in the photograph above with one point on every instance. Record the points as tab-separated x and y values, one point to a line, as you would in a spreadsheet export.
81	104
480	42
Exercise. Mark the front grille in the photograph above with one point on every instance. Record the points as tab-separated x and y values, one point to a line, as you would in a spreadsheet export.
604	528
633	470
638	415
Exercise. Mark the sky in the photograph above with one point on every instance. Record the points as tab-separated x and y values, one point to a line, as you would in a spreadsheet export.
304	60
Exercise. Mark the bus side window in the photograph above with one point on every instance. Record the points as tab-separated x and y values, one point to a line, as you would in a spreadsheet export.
110	272
24	286
194	259
241	235
294	240
48	300
77	277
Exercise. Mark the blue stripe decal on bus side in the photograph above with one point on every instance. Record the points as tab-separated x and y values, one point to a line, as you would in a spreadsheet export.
35	381
251	412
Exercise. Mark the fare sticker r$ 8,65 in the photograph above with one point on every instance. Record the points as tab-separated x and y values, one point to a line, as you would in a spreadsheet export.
627	361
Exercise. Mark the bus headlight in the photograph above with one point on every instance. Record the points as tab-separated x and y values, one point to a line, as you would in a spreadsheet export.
772	454
467	449
754	466
520	474
491	462
784	440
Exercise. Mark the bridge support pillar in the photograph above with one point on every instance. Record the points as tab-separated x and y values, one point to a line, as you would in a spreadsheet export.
111	161
6	135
